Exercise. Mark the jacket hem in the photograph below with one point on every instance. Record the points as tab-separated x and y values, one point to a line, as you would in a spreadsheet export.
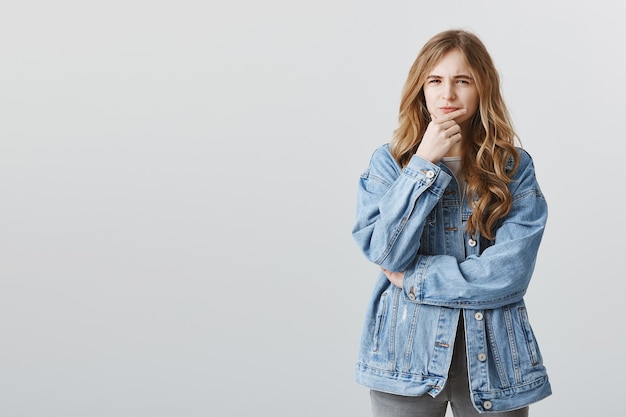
399	383
408	384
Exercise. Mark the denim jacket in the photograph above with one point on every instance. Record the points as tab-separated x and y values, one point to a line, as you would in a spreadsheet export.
413	220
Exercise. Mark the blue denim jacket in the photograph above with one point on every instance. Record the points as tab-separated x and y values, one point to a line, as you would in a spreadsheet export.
413	220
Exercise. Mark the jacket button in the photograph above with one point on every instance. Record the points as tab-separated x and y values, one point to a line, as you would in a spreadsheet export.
471	242
478	316
411	296
482	357
487	405
430	174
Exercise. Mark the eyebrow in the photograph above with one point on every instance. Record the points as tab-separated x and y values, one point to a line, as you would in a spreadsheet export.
456	77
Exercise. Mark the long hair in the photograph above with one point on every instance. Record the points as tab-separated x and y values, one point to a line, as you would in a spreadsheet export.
487	148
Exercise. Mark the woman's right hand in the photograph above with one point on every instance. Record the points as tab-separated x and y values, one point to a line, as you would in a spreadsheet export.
441	135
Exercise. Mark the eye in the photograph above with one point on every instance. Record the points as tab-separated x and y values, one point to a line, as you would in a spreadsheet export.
433	81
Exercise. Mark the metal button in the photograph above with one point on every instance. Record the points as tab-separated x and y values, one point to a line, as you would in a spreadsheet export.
482	357
487	405
430	174
411	296
471	242
478	316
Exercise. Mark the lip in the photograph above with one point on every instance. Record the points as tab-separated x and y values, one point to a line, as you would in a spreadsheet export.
447	110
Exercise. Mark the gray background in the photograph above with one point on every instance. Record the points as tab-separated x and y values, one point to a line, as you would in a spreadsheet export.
177	191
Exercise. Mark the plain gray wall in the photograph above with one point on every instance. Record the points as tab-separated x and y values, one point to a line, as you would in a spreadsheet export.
177	191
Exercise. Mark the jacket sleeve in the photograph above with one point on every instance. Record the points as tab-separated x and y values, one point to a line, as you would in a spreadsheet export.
392	206
500	275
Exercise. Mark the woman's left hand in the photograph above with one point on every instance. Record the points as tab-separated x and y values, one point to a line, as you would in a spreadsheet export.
396	278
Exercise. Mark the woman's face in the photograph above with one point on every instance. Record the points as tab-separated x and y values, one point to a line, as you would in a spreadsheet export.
449	87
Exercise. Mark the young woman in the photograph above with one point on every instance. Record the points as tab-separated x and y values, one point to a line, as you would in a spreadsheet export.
452	213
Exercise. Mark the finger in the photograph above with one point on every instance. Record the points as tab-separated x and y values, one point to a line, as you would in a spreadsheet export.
454	129
453	115
447	124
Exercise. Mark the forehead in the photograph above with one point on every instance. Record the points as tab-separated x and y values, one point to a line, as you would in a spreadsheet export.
452	63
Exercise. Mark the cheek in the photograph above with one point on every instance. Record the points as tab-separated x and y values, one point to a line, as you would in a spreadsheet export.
472	106
431	103
471	111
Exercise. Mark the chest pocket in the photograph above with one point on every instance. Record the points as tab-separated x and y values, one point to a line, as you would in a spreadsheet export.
445	218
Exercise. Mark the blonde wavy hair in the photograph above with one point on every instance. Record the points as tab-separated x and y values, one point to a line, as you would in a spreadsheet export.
486	150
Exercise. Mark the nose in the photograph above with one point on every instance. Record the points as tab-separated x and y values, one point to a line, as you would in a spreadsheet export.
448	92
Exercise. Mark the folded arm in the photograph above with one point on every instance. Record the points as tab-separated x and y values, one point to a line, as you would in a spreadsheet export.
498	276
392	206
